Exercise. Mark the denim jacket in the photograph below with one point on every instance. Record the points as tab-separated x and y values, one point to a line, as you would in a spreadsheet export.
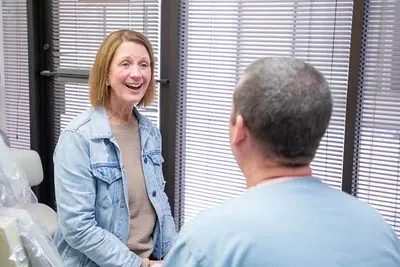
92	195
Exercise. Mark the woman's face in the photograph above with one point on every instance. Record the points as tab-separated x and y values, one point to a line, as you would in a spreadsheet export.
129	74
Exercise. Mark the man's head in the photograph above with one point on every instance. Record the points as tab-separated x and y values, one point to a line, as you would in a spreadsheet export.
284	105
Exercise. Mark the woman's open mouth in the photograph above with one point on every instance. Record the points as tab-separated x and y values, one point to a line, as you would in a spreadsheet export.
133	86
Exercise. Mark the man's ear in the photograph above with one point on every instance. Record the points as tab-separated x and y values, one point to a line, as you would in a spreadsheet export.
239	131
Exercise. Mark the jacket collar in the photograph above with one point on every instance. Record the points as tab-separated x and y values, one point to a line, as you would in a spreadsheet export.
101	127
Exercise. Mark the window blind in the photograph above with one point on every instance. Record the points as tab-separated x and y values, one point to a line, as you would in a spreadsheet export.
2	83
79	27
376	172
16	79
218	39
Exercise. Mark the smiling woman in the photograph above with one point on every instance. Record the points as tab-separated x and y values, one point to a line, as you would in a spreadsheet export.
128	78
118	58
109	188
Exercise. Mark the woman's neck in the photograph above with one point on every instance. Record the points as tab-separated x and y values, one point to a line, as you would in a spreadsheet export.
120	116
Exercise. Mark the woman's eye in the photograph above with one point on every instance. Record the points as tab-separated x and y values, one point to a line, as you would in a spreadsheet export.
125	64
144	65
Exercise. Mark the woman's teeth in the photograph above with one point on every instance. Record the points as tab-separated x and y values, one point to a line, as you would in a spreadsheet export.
133	85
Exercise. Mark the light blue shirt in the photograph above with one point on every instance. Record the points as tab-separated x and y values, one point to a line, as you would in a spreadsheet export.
92	195
299	222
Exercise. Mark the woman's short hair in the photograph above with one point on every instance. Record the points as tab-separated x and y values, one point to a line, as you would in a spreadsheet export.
99	91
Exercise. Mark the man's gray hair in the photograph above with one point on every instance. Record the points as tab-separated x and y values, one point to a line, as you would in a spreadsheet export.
286	105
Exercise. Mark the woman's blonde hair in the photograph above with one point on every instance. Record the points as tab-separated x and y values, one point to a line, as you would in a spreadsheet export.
99	91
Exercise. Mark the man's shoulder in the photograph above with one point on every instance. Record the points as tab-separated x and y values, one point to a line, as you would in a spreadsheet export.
217	237
219	221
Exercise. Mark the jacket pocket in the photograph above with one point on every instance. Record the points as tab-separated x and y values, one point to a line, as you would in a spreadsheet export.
108	184
157	161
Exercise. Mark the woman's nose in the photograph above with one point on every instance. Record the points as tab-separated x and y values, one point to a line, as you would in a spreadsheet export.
135	71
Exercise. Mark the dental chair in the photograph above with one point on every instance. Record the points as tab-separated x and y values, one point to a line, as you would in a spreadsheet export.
26	226
31	164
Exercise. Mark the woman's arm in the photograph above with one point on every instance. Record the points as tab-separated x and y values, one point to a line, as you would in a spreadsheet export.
75	195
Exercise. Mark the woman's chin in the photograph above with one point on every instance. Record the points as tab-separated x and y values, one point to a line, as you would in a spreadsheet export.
126	99
133	99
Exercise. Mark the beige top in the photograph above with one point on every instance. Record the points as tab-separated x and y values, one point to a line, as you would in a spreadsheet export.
142	214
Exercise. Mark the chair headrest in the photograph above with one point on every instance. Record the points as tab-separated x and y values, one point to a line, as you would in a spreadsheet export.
31	164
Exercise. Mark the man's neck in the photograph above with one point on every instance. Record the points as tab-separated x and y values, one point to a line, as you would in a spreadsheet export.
271	172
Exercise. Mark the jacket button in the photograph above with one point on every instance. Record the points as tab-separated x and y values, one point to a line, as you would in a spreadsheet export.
145	160
154	193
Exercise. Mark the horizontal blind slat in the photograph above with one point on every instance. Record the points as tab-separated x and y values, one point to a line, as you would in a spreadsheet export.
15	60
222	39
378	128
